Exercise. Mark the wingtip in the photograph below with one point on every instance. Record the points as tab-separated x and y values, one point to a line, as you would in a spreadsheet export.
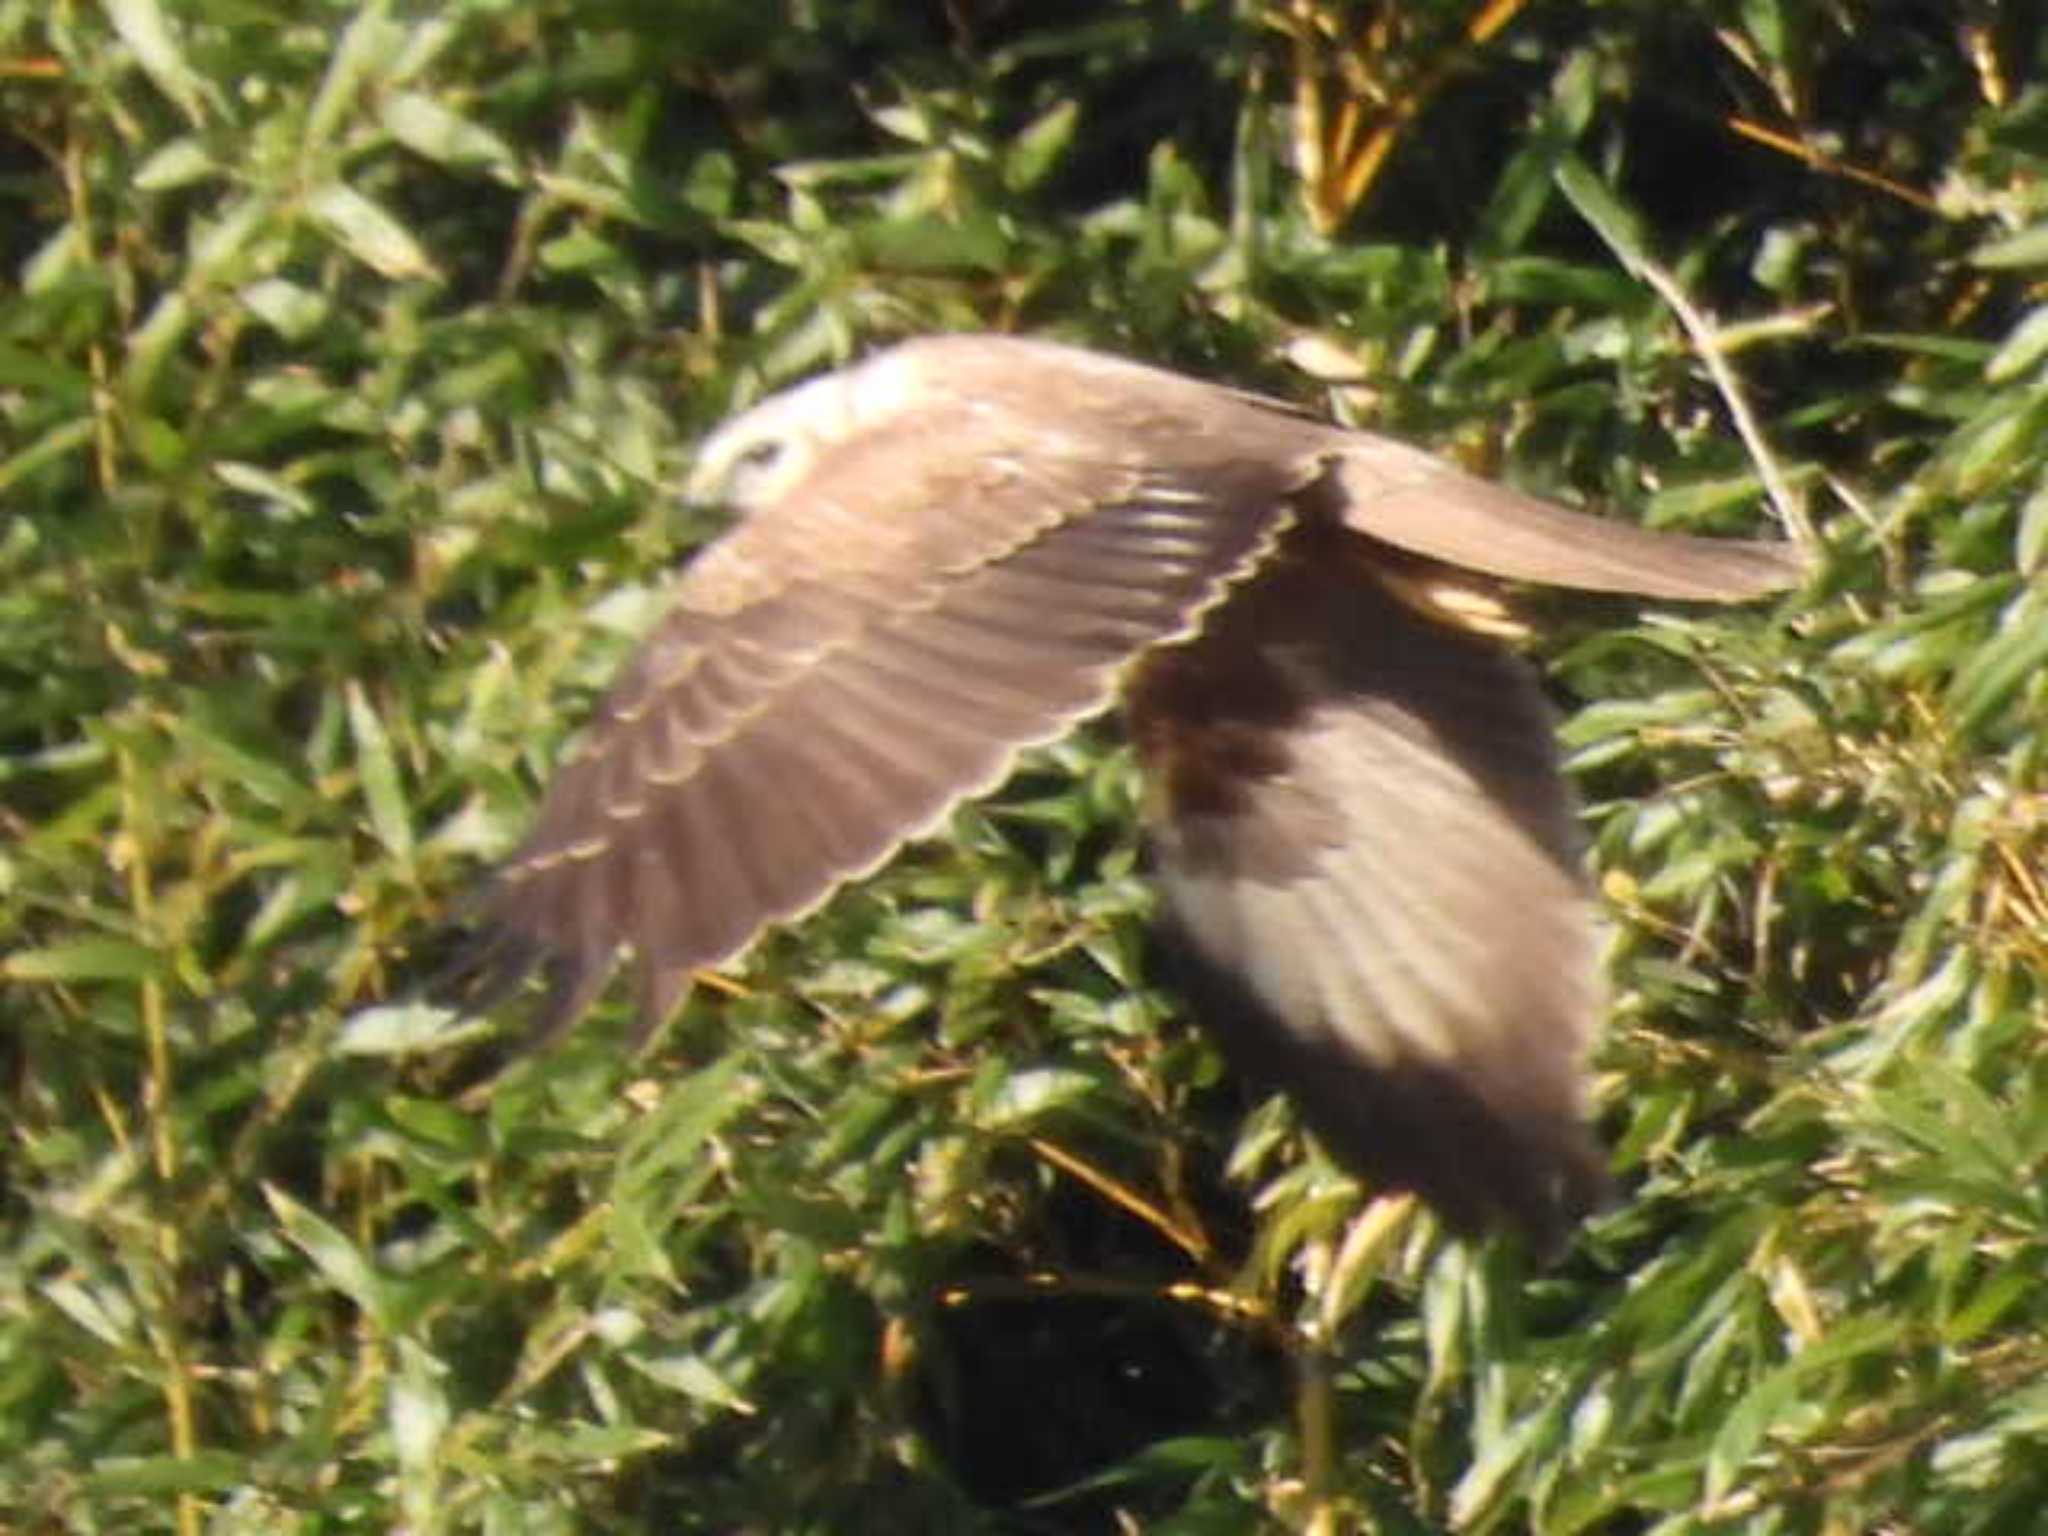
492	965
1401	497
1736	570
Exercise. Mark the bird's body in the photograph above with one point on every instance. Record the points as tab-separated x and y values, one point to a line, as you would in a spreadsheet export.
965	545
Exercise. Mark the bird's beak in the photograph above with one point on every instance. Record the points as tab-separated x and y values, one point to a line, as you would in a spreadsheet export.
705	487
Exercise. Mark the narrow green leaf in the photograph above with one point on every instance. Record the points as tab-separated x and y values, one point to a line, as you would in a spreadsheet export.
1787	1393
169	321
933	244
1489	1477
1990	1302
56	380
693	1377
81	960
178	164
1024	1097
1764	21
254	480
2022	348
363	53
290	310
318	874
338	1259
600	1443
419	1417
2030	546
1688	503
243	770
1999	669
1575	90
63	255
1520	196
369	233
1597	204
674	1134
2028	248
711	184
1956	349
50	446
401	1029
440	1124
1034	153
143	28
428	128
144	1476
218	252
390	816
100	1310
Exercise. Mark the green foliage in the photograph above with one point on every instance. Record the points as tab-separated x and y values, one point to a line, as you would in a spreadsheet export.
351	356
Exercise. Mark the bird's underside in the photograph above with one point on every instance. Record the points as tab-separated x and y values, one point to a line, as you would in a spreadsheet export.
962	547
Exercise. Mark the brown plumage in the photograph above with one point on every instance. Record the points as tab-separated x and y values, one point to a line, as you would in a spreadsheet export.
965	545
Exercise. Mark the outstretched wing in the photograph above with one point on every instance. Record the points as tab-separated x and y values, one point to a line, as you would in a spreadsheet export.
838	672
1371	881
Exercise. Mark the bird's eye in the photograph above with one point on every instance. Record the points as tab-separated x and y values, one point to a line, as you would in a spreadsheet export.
755	470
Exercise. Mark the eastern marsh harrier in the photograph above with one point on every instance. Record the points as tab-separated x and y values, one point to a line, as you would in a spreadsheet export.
963	546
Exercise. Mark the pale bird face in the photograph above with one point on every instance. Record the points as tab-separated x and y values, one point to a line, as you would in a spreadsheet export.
755	457
761	453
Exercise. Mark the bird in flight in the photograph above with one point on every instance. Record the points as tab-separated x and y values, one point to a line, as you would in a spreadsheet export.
963	546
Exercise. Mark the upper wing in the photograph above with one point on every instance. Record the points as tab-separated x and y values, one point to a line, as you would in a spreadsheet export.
1374	485
1371	883
837	673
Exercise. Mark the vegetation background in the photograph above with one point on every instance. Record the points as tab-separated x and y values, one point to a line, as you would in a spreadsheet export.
350	354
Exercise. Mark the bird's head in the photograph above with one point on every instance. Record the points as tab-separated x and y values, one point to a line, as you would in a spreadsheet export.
756	457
